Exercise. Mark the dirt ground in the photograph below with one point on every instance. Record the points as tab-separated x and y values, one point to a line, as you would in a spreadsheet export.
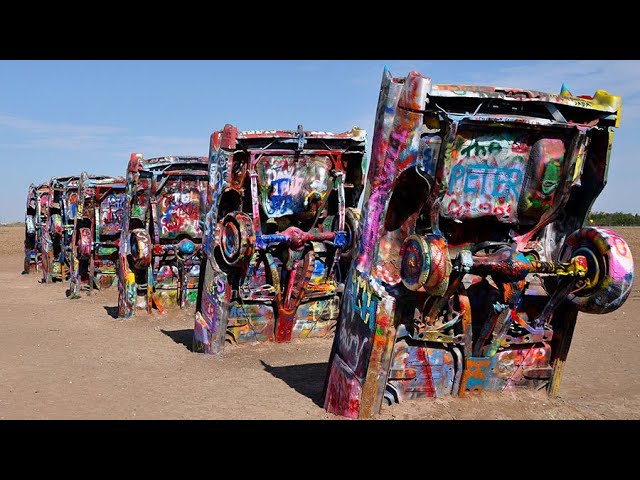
71	359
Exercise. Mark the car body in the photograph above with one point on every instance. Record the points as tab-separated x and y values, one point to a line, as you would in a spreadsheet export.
60	211
162	231
280	230
35	219
96	233
473	259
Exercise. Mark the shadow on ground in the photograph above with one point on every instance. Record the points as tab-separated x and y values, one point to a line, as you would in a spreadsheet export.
183	337
306	379
112	311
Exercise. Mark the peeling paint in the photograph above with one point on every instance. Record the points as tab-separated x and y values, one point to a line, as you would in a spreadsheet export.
473	236
280	231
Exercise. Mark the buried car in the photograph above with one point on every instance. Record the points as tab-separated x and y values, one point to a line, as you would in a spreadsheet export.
473	260
96	233
280	231
162	231
35	220
60	211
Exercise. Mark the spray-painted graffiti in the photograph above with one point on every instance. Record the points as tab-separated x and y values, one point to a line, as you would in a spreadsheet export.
140	198
353	347
520	367
179	212
280	198
316	318
274	235
343	390
418	371
481	179
112	209
485	174
373	211
209	334
35	219
218	181
218	171
616	278
466	261
96	228
59	211
30	224
545	172
72	205
293	187
429	153
366	301
161	238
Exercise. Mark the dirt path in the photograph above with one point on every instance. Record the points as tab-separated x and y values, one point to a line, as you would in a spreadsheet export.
70	359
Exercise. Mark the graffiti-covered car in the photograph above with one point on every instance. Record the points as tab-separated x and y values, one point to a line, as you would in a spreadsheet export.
161	238
58	229
280	229
473	260
35	219
96	233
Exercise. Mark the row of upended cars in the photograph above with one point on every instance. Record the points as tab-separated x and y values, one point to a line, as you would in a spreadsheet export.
452	259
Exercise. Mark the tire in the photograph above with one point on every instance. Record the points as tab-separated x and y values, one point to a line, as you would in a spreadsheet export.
237	238
425	263
609	268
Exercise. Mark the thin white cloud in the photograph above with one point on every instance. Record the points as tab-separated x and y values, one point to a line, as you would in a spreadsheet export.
94	139
39	127
38	134
71	142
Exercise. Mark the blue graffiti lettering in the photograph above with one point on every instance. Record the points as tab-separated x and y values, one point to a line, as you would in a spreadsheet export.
486	180
509	179
457	172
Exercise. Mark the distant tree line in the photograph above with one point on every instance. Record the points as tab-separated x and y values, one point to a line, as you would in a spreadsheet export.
614	219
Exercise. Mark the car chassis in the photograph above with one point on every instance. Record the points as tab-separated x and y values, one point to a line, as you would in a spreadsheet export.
473	261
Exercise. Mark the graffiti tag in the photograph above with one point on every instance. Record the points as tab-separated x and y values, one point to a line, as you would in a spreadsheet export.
484	179
366	301
112	208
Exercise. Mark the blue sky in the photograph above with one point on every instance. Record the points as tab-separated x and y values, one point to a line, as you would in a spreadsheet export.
62	117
